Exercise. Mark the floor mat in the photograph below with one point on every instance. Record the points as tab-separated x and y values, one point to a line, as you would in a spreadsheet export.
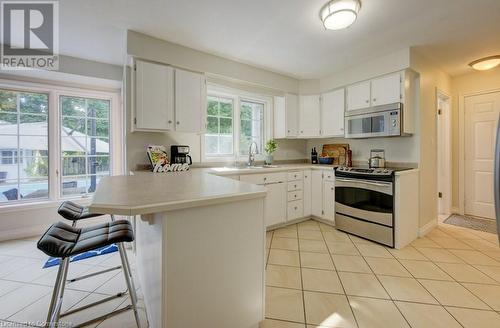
52	261
486	225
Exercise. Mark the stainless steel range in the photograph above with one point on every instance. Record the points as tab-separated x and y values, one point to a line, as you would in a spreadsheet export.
364	203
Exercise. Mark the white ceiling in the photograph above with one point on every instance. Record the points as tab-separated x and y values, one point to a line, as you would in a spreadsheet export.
286	36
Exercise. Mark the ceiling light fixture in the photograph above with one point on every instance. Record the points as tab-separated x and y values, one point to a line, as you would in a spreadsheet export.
485	63
339	14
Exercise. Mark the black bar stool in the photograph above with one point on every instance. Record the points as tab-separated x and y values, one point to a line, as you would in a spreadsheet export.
63	241
74	212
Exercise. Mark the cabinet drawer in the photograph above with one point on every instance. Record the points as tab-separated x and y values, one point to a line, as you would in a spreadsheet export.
295	195
264	178
329	175
295	185
295	175
295	210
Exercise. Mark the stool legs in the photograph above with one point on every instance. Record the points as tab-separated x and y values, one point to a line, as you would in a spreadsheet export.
130	283
57	294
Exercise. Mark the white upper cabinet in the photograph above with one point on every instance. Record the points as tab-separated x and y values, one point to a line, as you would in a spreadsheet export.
292	115
358	95
190	100
309	116
332	113
154	99
279	122
387	89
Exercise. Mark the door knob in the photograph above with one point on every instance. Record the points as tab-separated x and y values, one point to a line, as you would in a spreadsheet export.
178	122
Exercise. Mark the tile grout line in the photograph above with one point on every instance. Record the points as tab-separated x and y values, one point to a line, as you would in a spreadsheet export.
388	294
301	279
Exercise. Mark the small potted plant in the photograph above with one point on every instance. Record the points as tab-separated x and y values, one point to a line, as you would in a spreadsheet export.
270	148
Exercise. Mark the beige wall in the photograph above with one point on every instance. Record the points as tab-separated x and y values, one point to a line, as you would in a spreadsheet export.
461	86
431	79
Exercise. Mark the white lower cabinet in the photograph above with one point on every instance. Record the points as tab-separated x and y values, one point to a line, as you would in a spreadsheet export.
323	194
295	210
275	204
317	193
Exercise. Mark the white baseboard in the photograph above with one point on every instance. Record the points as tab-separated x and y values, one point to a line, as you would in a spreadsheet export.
422	231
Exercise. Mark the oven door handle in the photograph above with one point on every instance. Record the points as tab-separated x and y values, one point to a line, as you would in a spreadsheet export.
378	184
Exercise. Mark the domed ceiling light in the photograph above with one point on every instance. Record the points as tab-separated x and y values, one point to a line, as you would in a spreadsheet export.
339	14
485	63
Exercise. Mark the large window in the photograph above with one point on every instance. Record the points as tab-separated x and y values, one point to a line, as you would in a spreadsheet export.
234	122
24	162
84	143
54	142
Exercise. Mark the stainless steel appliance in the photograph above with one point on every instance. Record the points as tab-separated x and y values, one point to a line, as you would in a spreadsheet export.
364	203
377	158
180	155
380	121
496	181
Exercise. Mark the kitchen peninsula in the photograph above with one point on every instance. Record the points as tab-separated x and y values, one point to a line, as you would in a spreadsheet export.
200	245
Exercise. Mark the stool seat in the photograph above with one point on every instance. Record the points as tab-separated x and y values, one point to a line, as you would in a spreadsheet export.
62	240
74	212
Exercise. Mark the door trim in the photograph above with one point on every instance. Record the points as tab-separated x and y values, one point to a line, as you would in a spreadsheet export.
447	148
461	144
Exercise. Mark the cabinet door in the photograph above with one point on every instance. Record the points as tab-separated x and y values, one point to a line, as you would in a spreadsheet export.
275	204
189	101
306	194
292	115
386	89
154	106
309	116
329	200
332	113
279	121
317	193
358	95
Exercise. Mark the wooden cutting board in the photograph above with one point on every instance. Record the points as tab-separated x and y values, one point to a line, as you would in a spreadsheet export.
337	151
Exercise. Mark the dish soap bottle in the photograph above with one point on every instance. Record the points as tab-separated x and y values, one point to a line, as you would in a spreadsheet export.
314	156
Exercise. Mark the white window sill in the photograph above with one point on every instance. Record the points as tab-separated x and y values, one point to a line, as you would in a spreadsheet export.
33	205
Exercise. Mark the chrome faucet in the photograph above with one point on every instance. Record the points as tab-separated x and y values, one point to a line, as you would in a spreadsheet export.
251	157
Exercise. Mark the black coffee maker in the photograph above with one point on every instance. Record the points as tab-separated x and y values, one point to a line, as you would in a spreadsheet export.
179	154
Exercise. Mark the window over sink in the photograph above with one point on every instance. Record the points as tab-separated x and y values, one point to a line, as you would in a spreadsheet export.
234	120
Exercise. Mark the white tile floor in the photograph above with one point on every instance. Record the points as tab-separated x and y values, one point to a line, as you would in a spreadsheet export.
320	277
26	288
316	276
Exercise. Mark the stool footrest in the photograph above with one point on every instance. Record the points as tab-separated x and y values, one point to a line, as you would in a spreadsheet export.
105	316
101	301
93	274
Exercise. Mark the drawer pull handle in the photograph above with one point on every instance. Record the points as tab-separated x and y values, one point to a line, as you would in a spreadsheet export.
295	207
295	196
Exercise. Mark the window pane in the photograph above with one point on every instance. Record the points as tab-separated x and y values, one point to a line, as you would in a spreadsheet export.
9	190
92	182
31	124
99	128
34	103
211	142
33	167
226	145
212	106
72	106
226	108
33	145
71	145
98	108
226	125
98	165
76	185
72	125
8	101
34	188
212	124
97	146
251	126
73	166
7	120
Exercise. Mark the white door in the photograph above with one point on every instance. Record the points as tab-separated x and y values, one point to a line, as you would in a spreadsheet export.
189	101
309	116
387	89
307	197
358	95
329	200
154	106
279	119
332	113
317	193
481	118
275	203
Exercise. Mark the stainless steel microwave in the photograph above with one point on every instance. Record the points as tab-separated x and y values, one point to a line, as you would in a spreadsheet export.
375	122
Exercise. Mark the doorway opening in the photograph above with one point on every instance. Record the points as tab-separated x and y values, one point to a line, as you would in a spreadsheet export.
443	108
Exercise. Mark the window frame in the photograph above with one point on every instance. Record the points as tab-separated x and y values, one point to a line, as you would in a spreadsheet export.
237	96
54	91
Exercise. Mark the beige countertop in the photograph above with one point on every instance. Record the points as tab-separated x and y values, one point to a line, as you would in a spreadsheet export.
146	192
